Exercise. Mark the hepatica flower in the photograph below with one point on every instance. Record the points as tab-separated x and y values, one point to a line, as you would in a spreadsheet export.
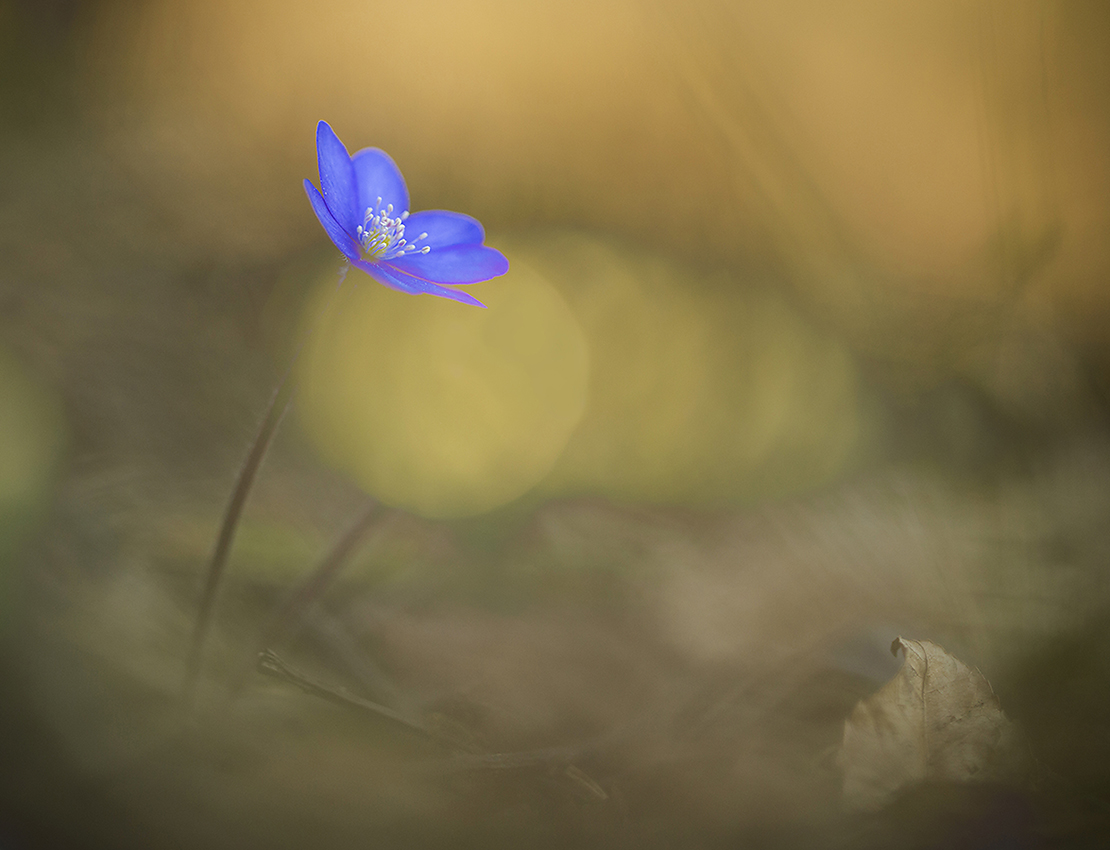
363	205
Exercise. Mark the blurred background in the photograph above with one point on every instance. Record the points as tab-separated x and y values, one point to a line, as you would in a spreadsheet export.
802	347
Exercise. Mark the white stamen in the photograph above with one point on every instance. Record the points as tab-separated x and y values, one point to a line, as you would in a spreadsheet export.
382	234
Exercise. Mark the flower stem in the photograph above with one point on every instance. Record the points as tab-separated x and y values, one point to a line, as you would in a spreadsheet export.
279	404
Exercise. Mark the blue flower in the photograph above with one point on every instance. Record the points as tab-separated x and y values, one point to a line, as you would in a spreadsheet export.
363	205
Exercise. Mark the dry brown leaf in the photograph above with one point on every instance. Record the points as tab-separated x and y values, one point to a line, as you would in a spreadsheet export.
938	720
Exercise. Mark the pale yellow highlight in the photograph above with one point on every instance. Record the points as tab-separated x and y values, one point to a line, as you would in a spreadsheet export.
702	391
439	407
647	383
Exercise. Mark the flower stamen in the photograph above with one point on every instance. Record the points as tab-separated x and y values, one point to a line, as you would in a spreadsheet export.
382	234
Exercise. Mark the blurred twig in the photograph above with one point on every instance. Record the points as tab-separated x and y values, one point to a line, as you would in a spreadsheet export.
335	637
272	665
287	617
553	760
286	620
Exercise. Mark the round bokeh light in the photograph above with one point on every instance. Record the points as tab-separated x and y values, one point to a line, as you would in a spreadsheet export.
440	408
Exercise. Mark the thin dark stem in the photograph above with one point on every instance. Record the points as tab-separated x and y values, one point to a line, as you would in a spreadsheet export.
287	618
275	412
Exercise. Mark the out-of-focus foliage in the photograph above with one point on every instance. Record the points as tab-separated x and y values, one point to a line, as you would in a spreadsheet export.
32	440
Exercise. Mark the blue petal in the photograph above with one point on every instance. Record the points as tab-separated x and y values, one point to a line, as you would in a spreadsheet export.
456	295
376	272
397	279
337	178
457	264
337	234
444	228
379	177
